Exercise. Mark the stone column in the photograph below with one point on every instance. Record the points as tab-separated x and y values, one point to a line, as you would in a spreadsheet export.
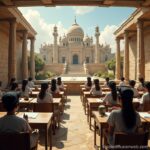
126	56
140	50
97	54
55	46
12	50
118	67
24	55
32	60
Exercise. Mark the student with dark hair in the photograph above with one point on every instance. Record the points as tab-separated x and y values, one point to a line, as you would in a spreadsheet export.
96	89
30	82
122	82
60	84
145	101
11	82
14	87
54	88
25	90
132	85
44	96
126	119
88	83
141	84
111	98
106	84
12	123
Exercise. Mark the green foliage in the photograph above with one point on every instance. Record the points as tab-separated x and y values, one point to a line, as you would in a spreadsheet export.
105	74
39	64
45	75
111	64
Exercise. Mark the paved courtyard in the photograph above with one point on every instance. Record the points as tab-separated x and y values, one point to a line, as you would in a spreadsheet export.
74	133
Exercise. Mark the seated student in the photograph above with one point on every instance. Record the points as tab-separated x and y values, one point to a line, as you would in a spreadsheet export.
25	91
60	84
54	88
88	83
145	101
11	82
126	119
30	83
96	89
14	87
111	98
44	96
12	123
122	82
132	85
140	86
106	84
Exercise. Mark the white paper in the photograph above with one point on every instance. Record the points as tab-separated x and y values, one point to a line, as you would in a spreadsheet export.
99	100
31	115
144	115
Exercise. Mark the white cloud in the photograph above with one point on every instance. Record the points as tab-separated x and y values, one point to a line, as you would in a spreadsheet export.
107	36
44	30
81	10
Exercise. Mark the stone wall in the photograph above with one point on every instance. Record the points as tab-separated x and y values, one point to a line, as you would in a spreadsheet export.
147	55
4	43
56	68
93	68
132	58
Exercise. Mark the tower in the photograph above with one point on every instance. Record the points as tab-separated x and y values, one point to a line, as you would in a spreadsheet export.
97	54
55	46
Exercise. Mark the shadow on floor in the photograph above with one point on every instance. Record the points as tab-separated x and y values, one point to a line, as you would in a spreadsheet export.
65	116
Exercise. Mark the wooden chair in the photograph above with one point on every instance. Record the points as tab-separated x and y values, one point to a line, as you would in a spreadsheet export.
134	141
15	141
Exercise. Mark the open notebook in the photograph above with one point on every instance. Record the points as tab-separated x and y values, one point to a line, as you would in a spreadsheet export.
144	115
31	115
99	100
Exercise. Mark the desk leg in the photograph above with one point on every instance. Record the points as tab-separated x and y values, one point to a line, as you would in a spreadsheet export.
46	137
94	133
50	138
87	113
101	138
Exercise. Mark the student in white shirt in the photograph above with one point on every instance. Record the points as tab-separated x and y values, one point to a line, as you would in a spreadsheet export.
111	98
106	84
54	88
88	84
12	123
122	82
25	90
132	85
30	83
60	84
44	96
96	89
126	119
145	101
140	86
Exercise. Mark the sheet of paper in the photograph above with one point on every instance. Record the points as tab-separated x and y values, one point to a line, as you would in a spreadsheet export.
31	115
99	100
144	115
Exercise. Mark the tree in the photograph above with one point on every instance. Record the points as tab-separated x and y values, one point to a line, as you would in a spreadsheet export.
39	64
111	64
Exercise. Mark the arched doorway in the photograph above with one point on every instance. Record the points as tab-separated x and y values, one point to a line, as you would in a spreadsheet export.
75	59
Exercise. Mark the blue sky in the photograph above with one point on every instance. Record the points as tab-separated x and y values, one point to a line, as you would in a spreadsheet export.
44	18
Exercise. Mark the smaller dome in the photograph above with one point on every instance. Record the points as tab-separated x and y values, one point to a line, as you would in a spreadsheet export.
87	38
64	39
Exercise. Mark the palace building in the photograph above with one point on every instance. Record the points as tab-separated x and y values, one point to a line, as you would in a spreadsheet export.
75	48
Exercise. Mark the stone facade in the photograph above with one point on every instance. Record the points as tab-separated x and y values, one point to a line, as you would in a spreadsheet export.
14	63
75	48
137	42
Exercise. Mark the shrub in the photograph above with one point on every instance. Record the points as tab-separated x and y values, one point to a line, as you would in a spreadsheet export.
45	75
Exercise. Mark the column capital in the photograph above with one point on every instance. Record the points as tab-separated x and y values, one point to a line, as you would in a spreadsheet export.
32	38
118	39
140	24
12	20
